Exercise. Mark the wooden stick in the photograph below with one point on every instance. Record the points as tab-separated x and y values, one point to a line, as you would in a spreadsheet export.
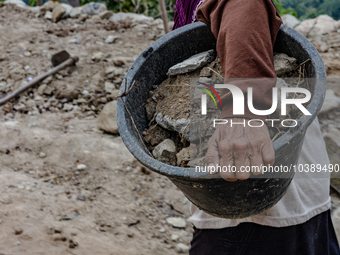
38	79
164	15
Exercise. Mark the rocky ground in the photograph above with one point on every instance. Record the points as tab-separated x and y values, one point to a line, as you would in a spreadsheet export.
67	187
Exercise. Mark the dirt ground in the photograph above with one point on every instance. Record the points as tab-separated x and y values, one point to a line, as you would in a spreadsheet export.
65	186
122	206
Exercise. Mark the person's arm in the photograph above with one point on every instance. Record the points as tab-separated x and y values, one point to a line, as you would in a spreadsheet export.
245	32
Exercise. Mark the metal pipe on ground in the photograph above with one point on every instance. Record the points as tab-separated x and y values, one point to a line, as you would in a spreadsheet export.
60	60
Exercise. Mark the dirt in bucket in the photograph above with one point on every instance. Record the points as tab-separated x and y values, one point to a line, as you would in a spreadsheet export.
169	104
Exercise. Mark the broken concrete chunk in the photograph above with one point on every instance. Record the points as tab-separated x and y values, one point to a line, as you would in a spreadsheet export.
181	125
284	64
165	152
191	64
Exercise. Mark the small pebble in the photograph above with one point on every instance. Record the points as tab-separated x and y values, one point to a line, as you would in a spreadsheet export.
81	167
174	237
81	198
42	155
182	248
17	230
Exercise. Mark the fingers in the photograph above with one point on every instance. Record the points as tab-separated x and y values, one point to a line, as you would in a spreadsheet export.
268	153
241	151
242	172
256	163
226	161
212	157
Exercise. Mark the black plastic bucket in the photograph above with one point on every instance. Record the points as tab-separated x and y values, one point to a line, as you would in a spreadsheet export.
217	197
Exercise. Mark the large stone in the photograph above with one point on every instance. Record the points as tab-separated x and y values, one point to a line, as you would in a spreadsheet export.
68	10
180	125
176	222
182	248
193	63
48	15
75	13
48	6
96	19
58	12
110	39
134	17
93	8
18	3
106	121
290	20
68	92
284	64
331	102
109	87
165	152
41	89
98	56
323	24
110	72
183	157
105	14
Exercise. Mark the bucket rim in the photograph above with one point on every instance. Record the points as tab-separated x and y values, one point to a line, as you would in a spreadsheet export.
186	173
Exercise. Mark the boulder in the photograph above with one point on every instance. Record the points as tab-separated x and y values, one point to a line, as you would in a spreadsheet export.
284	64
58	12
48	6
18	3
290	20
134	17
96	19
75	13
48	15
105	14
106	121
68	10
165	152
93	8
323	24
193	63
331	102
